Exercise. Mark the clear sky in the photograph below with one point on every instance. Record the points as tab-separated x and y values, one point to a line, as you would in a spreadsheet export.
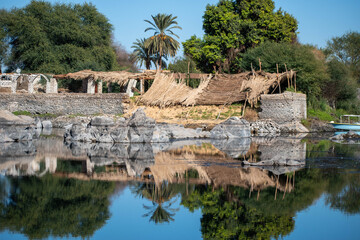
319	20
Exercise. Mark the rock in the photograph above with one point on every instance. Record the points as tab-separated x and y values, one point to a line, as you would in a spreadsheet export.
27	119
38	124
101	121
167	132
234	147
14	128
293	127
141	127
338	137
79	132
46	124
264	126
234	127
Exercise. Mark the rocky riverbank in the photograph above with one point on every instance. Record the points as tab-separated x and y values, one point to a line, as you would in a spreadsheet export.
141	129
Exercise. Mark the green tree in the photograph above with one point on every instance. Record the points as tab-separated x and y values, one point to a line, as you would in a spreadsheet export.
142	54
145	56
52	206
58	38
233	26
340	86
347	50
162	43
308	63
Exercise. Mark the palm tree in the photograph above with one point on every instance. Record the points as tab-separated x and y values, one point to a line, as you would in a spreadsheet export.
142	54
162	42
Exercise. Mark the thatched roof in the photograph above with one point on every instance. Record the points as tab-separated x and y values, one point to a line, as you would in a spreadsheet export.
120	77
214	90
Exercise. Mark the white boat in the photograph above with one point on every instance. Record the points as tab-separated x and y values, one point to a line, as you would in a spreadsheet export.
348	122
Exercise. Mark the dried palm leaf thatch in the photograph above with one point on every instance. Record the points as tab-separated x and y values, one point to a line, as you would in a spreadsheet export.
166	91
214	90
119	77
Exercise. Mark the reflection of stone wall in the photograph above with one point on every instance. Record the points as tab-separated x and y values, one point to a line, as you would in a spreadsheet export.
75	103
280	149
281	108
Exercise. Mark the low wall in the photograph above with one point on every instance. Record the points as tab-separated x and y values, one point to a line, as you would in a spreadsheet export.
282	108
68	103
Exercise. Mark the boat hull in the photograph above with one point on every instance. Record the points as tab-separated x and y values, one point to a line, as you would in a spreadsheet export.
348	127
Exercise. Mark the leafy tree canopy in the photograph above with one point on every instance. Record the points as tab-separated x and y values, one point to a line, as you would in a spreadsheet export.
41	207
162	43
305	60
57	38
233	26
347	50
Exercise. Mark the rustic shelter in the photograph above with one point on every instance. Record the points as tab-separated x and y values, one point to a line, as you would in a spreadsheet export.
92	80
215	89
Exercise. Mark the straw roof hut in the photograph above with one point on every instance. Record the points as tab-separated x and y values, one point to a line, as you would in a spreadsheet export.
214	89
119	77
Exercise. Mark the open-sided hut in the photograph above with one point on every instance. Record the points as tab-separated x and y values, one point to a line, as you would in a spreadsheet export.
215	89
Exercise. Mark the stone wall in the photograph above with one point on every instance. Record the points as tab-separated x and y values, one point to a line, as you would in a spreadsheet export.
282	108
69	103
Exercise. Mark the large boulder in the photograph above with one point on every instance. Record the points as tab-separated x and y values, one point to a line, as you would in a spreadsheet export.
141	127
234	127
14	128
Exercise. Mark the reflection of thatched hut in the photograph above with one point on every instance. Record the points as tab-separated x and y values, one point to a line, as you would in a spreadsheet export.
212	168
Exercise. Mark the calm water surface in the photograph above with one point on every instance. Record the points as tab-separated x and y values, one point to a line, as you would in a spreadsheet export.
182	190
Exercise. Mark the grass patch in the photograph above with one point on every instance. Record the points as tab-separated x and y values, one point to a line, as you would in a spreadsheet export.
26	113
321	115
41	115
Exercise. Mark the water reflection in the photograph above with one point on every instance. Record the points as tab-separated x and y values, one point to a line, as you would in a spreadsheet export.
50	188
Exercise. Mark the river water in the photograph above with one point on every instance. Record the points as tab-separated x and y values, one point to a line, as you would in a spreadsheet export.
180	190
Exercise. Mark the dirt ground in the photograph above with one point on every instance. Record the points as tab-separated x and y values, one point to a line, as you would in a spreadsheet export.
204	116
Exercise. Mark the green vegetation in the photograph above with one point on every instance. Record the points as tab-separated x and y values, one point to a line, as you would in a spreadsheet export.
56	38
58	207
231	27
346	50
26	113
40	115
311	71
162	44
143	55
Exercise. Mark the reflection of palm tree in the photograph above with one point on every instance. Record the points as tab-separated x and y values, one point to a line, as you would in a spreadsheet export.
162	196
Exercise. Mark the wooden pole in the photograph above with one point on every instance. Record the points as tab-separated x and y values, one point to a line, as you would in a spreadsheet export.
188	81
295	80
287	76
260	64
243	111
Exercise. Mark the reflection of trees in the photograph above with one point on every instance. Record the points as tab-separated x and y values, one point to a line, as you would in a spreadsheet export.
234	213
40	207
162	196
347	199
224	219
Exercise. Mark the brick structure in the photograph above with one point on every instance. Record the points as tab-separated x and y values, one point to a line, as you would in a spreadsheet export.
283	108
74	103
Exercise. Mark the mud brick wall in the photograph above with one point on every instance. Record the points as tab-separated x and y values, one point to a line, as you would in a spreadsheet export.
69	103
285	107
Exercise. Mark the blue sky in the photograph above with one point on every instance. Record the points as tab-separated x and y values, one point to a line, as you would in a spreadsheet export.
319	20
